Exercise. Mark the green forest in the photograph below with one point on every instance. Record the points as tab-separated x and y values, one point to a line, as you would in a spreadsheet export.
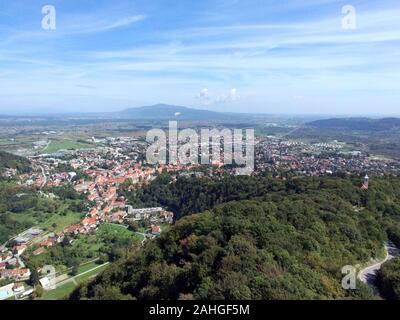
389	279
256	238
10	161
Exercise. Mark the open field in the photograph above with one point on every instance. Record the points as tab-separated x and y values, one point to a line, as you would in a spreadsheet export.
60	292
53	222
87	272
107	241
120	231
88	275
57	145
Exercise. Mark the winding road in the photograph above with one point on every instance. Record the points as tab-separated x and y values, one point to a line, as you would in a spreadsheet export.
144	237
368	274
44	177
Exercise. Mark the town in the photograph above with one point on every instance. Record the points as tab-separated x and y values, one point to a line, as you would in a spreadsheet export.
98	173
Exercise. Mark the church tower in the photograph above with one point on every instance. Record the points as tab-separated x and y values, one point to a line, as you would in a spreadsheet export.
365	185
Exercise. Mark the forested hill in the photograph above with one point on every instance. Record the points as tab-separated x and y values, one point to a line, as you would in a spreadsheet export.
388	279
359	124
289	243
189	195
10	161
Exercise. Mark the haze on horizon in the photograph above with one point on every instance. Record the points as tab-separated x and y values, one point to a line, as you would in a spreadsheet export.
269	56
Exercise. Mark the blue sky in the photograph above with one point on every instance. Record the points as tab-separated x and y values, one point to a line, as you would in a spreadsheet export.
270	56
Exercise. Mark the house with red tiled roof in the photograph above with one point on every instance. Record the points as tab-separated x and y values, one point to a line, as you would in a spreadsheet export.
119	180
117	216
118	204
155	230
19	249
16	274
107	209
39	251
94	212
72	229
47	243
90	222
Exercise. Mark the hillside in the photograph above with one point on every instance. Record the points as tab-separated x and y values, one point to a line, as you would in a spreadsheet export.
377	136
360	124
388	279
290	243
10	161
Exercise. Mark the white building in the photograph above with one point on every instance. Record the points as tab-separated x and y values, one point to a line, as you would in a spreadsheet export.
7	291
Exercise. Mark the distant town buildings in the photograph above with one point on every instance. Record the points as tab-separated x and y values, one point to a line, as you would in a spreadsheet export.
279	156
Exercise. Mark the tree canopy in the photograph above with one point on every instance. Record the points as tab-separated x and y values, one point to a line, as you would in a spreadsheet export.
286	240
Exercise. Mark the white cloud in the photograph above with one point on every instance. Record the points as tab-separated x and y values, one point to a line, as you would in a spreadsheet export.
124	22
208	98
204	96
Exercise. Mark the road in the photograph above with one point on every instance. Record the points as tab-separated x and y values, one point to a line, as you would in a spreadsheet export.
81	274
368	274
47	145
144	237
44	178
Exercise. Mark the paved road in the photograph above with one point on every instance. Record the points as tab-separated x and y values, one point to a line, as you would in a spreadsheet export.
44	178
81	274
368	274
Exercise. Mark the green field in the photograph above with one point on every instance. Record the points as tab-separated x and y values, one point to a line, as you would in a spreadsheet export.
107	239
57	145
53	222
87	266
90	275
104	238
107	230
60	292
61	222
64	290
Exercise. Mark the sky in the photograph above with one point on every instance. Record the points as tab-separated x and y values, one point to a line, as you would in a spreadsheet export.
261	56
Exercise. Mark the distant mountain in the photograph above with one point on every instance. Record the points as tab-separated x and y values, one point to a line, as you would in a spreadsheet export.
165	111
356	124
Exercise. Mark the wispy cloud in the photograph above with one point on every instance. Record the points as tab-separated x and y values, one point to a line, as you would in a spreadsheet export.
181	53
99	26
67	26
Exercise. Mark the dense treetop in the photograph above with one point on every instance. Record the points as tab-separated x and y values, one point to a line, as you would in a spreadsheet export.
256	239
388	279
10	161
